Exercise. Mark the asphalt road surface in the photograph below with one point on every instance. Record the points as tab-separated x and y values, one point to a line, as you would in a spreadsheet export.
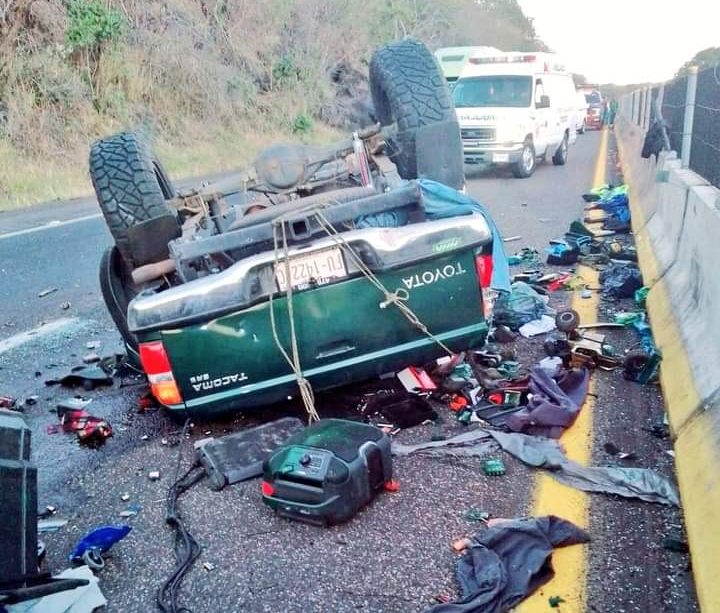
395	555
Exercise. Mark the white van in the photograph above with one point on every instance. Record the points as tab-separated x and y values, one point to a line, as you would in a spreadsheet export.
452	60
514	108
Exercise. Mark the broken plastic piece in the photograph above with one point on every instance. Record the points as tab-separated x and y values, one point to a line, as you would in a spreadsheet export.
461	544
416	380
474	514
7	402
98	542
89	377
555	601
494	467
154	475
392	486
131	511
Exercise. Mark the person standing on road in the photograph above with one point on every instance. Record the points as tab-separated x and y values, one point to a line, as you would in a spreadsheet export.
612	112
606	113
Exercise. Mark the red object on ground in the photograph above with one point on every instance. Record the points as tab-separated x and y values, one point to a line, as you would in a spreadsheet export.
457	403
416	379
392	486
89	429
558	283
6	402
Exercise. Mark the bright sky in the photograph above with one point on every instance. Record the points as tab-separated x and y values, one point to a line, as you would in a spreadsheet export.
626	41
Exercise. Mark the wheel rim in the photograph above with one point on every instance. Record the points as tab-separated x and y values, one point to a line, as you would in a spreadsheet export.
527	157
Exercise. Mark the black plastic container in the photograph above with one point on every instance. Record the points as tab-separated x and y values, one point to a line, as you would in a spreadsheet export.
327	472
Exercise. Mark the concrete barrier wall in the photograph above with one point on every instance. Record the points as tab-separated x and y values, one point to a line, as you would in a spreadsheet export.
676	221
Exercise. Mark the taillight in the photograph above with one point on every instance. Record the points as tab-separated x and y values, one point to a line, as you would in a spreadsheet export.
484	269
155	363
267	488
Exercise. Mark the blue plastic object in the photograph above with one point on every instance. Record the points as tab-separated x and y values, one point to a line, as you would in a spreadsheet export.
99	540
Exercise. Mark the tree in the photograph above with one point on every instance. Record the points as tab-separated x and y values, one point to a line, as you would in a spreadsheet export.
707	58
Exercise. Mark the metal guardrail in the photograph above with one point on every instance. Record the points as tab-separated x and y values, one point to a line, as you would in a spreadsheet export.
690	107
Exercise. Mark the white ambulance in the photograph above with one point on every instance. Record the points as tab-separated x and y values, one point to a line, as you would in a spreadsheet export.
515	108
452	60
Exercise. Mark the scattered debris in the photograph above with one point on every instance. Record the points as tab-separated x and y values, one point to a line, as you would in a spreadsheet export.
89	377
554	402
675	542
95	543
507	562
613	450
81	594
520	306
48	511
239	456
92	344
125	497
494	467
555	601
47	292
392	486
76	403
538	326
90	430
208	566
131	511
416	380
154	475
620	280
50	525
65	305
474	514
7	402
541	452
90	358
510	239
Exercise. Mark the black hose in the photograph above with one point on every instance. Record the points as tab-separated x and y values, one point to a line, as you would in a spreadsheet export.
186	548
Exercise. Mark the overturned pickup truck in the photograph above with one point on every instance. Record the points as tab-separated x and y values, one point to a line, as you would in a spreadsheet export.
319	264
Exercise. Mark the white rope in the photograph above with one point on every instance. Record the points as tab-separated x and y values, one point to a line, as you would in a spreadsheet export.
398	298
306	391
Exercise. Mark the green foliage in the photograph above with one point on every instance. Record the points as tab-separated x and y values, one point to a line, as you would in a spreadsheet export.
92	24
302	124
707	58
284	70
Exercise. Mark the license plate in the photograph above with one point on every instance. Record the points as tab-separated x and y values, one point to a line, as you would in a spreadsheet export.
500	157
311	269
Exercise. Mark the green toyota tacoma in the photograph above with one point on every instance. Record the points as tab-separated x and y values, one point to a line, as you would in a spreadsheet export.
317	265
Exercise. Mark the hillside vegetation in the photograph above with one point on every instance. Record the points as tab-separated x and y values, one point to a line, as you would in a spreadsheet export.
211	80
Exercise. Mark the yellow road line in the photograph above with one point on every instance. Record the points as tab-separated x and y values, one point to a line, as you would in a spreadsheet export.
553	498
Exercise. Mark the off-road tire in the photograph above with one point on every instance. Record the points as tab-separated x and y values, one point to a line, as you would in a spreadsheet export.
408	89
561	153
116	290
130	184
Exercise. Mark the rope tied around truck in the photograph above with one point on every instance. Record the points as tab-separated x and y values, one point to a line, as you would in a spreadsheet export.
399	298
306	391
